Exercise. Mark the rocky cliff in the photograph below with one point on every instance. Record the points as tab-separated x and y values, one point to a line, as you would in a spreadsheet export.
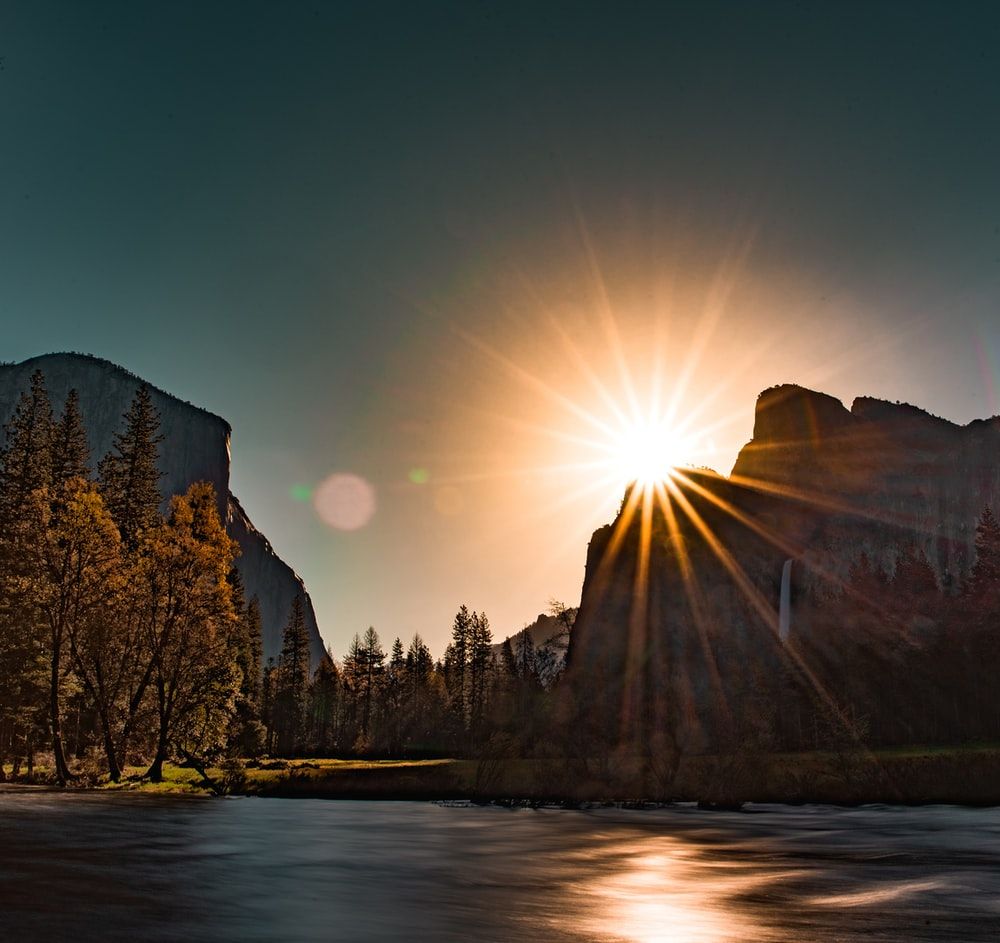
195	448
678	623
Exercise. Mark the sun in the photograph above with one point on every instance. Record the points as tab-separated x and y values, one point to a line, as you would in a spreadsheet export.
647	451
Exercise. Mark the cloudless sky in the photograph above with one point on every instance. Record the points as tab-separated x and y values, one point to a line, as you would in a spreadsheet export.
414	241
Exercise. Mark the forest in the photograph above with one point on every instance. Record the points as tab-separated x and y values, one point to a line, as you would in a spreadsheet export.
126	638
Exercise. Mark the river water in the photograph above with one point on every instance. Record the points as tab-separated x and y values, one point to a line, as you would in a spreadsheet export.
132	867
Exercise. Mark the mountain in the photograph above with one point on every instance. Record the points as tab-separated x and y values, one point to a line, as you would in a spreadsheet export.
195	448
549	639
823	578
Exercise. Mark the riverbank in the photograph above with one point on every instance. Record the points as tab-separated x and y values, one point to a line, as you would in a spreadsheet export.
966	776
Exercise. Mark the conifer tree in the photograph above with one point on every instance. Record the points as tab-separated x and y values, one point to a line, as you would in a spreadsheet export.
129	473
353	682
293	681
70	453
395	692
457	675
247	735
25	468
418	701
984	581
480	670
323	692
267	705
26	458
374	666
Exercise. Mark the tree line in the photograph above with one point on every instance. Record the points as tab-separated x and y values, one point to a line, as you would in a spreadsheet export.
126	637
403	702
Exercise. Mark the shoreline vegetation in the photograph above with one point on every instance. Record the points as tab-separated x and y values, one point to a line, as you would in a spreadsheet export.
905	776
131	659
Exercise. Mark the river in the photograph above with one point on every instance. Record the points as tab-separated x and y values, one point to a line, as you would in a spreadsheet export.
86	866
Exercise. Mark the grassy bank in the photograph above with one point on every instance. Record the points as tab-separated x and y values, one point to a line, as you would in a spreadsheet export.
969	775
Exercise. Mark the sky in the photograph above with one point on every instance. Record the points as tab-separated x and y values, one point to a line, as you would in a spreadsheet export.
446	248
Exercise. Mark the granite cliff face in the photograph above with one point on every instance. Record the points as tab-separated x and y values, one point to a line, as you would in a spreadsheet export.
680	640
195	448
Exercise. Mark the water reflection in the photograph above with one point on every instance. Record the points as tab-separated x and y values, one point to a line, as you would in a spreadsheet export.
666	890
659	897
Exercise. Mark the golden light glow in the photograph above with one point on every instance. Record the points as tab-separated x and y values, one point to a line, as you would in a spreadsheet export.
648	451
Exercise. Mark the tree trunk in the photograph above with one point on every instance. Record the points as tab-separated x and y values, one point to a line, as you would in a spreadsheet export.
111	755
62	769
155	771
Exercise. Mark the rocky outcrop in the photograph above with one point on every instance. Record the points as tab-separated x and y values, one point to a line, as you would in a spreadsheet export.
678	627
195	448
549	641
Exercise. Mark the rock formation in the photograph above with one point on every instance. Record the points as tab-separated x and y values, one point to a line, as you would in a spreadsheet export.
195	448
679	618
549	640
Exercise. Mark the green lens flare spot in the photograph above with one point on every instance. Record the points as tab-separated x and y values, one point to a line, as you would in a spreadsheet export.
419	476
300	493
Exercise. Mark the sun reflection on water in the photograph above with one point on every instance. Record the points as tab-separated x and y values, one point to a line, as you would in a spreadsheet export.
670	894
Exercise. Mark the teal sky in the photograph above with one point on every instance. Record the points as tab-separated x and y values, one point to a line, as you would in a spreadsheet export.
351	230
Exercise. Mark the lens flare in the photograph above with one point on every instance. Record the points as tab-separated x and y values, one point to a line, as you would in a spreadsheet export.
648	451
345	501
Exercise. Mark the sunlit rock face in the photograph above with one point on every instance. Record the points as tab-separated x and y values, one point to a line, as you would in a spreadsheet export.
678	624
195	448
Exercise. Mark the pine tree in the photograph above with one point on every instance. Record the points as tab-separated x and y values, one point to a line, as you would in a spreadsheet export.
267	705
70	453
373	661
293	680
323	693
129	473
418	701
247	734
480	671
395	692
457	674
25	469
353	682
984	581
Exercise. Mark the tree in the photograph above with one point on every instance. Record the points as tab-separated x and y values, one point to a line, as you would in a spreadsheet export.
373	667
129	473
421	703
78	577
480	672
394	696
25	468
26	459
323	691
292	681
191	626
70	453
984	581
247	734
456	668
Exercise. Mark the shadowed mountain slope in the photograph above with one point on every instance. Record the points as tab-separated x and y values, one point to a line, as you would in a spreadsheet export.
678	623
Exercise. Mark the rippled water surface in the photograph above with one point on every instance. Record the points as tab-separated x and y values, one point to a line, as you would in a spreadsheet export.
92	867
